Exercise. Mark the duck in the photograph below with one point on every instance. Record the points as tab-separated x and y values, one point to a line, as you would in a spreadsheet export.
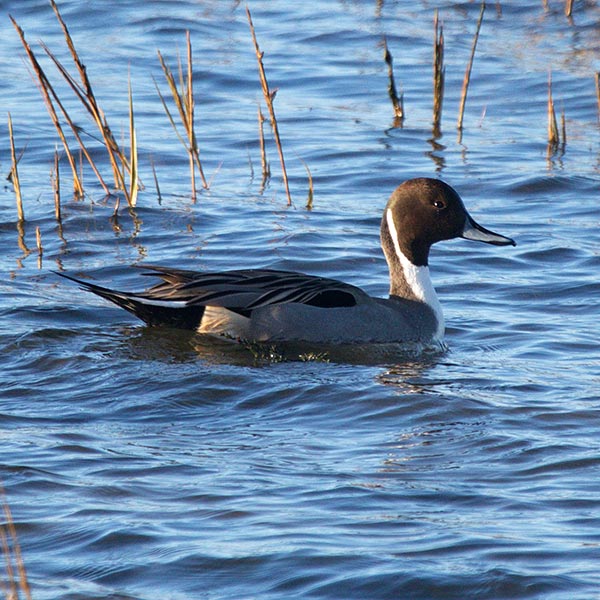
268	305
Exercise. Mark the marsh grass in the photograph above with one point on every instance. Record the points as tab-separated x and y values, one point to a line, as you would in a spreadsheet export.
124	161
467	77
554	135
397	101
266	168
14	172
133	156
269	98
311	192
48	94
15	585
569	8
84	92
55	179
156	184
183	97
597	80
439	74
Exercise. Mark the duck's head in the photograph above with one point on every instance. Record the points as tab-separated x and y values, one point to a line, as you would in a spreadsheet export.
423	211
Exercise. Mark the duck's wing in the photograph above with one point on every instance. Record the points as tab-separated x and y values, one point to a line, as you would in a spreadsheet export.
180	298
247	289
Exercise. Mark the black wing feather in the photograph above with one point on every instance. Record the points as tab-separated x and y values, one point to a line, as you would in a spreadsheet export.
180	299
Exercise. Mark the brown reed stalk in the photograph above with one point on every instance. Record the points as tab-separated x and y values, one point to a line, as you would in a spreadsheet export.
85	93
311	190
439	73
76	132
597	78
156	185
48	94
563	128
183	96
40	248
10	587
14	172
21	241
266	169
397	101
269	98
467	78
553	135
569	8
133	156
55	176
13	559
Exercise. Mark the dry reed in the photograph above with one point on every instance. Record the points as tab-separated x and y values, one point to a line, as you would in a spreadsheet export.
467	78
569	8
439	73
397	101
156	185
16	585
311	191
597	79
133	156
183	96
553	135
14	172
55	178
266	169
48	94
40	248
85	93
269	97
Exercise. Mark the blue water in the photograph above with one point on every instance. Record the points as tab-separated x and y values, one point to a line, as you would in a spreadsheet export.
150	464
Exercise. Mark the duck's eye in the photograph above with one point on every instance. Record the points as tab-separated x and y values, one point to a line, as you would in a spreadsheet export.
439	204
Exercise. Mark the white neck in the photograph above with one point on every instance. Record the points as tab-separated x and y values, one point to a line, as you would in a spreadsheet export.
417	279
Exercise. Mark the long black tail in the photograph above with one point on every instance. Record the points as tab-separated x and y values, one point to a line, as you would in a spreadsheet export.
153	312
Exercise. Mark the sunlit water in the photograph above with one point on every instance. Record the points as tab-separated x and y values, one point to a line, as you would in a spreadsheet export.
150	464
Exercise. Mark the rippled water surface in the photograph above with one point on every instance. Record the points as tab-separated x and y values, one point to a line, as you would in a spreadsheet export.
153	464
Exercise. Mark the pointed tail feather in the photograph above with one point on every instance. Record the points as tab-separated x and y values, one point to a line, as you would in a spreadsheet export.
153	312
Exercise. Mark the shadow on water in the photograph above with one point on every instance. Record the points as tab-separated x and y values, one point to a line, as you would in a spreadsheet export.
181	346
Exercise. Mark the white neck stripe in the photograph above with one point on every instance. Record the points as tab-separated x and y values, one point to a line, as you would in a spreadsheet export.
417	278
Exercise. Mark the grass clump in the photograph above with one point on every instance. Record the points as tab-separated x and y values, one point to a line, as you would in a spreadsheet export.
183	96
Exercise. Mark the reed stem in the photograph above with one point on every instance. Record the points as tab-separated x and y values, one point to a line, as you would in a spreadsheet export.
14	172
48	94
563	127
269	98
597	79
311	191
38	241
87	97
397	101
467	78
569	8
439	73
553	135
12	554
156	185
266	169
56	187
133	157
183	97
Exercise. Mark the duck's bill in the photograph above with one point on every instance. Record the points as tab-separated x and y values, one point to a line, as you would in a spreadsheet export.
474	231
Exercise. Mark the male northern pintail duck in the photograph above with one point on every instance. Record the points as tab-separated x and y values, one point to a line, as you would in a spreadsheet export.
266	305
